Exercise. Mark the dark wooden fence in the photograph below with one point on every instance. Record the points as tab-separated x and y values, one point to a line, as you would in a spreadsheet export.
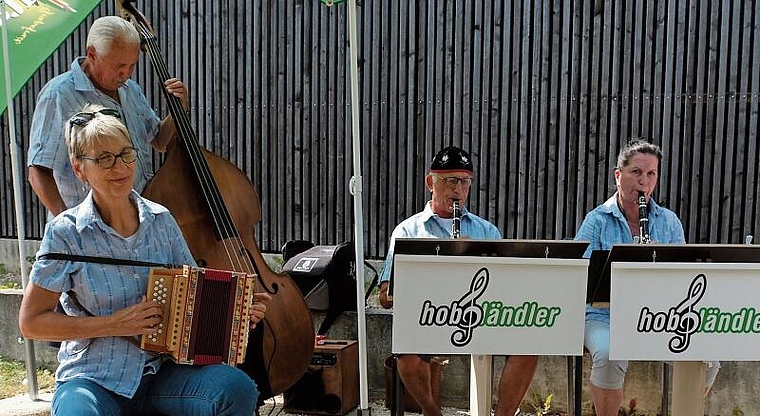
542	93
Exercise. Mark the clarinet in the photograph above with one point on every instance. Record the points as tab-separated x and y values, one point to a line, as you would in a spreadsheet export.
456	224
643	219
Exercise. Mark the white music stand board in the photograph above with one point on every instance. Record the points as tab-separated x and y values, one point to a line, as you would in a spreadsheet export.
686	312
484	306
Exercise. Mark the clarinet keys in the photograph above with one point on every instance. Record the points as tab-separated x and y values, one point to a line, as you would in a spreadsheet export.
457	217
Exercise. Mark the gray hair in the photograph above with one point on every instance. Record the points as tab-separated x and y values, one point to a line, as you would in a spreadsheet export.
101	127
635	146
107	30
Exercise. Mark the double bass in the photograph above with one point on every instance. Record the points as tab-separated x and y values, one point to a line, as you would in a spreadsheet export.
217	208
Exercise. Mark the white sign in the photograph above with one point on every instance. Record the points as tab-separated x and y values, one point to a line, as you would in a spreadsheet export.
488	305
685	311
305	264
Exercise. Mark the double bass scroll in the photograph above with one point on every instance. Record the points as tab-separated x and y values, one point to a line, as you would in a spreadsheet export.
217	208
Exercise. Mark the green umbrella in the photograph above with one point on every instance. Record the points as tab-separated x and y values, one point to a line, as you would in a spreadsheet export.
35	29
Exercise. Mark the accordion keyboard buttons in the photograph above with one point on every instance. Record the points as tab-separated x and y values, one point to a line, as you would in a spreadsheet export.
158	295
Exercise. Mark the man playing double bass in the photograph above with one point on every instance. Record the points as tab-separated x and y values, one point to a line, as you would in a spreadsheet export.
101	77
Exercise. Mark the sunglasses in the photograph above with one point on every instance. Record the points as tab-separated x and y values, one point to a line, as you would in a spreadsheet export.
81	119
107	160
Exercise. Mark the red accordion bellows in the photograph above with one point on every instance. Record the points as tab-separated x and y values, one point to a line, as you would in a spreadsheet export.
206	314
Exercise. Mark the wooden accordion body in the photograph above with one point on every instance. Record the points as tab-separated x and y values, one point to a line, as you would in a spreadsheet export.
206	314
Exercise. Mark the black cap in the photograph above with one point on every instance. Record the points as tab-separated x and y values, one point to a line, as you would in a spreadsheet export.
451	159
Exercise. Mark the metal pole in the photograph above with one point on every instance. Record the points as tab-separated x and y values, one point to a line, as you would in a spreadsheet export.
356	191
31	363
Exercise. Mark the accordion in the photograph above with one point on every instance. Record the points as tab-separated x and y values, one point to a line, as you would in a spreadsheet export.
206	314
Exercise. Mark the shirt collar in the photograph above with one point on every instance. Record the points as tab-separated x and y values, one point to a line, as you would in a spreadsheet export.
81	81
87	214
428	213
611	206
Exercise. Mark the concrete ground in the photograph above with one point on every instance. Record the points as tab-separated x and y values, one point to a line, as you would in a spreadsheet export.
24	406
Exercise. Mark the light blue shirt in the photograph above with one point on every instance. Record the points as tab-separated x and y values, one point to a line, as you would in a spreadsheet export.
66	95
605	226
101	289
426	224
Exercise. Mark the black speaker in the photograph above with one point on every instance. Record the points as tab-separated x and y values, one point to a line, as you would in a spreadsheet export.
325	275
331	383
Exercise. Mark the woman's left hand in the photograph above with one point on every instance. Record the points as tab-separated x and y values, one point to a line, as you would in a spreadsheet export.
259	308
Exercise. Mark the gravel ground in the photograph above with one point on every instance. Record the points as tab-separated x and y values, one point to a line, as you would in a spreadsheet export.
377	408
273	407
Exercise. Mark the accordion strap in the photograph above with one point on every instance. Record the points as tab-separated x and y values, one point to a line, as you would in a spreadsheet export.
101	260
104	260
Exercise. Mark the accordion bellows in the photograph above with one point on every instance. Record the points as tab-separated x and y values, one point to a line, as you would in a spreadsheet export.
206	314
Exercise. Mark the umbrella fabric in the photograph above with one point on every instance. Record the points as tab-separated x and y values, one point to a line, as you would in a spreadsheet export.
35	30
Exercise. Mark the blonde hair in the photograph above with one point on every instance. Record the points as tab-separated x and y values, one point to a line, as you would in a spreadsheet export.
101	127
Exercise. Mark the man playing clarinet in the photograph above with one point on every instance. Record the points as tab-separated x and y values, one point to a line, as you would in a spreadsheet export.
449	180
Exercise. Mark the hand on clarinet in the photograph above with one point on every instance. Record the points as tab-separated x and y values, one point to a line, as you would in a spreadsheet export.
259	308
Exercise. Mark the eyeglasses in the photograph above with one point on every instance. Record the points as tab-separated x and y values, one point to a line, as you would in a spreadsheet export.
453	181
81	119
107	160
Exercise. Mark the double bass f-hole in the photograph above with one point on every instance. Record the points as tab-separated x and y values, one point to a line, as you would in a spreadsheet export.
275	287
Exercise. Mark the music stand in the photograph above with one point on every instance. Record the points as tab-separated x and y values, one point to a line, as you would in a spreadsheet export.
688	376
686	253
598	288
481	365
601	260
556	249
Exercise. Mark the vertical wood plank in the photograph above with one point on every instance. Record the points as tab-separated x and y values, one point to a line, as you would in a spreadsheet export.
541	93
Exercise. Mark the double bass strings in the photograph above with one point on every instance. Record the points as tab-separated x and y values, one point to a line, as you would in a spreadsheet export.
286	341
223	222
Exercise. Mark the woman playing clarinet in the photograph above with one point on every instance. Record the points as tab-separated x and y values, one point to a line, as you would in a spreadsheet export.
629	216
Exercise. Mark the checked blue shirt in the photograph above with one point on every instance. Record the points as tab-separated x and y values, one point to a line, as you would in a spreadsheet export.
102	289
606	225
66	95
426	224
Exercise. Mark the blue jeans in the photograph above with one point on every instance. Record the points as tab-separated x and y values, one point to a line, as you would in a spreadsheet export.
174	390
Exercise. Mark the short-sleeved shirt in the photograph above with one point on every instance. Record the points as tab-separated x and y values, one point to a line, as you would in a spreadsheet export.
606	225
66	95
101	289
426	224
